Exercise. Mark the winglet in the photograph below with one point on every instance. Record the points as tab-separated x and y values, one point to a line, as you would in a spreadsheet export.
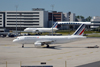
80	30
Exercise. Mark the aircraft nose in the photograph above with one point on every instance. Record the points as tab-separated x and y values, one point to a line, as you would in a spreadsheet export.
15	40
18	40
24	29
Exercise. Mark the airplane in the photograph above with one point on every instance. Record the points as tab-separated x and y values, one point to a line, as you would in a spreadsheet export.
39	41
40	30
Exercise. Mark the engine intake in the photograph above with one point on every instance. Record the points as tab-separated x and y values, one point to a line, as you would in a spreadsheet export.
38	44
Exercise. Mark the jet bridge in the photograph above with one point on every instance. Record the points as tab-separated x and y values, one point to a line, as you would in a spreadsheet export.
74	24
78	23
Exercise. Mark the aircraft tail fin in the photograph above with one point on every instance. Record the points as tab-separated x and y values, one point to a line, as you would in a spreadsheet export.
55	25
80	30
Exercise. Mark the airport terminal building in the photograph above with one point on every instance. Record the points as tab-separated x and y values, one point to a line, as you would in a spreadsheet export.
37	18
23	19
95	19
2	19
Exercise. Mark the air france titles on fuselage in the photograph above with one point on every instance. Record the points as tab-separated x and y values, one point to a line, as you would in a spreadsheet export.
31	37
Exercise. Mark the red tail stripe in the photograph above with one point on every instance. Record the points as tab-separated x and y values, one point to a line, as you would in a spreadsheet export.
82	31
56	27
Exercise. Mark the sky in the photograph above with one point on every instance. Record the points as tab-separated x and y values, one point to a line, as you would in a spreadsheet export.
79	7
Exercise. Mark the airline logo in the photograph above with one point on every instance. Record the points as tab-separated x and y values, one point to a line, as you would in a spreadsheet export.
37	37
80	30
55	25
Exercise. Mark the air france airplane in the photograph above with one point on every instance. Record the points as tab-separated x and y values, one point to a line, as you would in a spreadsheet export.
39	41
40	30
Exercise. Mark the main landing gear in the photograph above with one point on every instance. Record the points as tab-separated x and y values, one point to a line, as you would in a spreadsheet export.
22	45
47	45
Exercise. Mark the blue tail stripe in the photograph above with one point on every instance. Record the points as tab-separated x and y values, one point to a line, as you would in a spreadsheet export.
79	30
55	25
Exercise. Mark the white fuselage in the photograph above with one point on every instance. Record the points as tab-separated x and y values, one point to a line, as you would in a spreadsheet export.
33	30
53	39
41	40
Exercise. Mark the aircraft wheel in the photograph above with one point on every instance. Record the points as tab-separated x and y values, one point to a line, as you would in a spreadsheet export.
40	32
37	32
22	45
47	46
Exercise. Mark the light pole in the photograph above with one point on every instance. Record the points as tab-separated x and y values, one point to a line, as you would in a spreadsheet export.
16	19
20	23
52	19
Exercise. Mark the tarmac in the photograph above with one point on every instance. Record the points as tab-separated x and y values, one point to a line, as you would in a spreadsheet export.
72	54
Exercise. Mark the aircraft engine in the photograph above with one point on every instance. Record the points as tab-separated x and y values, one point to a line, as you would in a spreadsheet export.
38	44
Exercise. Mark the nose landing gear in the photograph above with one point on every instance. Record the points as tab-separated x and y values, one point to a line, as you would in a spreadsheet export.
22	45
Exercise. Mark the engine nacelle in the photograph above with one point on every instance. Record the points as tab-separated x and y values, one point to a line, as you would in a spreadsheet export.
38	44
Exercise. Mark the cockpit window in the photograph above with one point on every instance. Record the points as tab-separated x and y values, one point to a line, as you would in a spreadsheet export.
17	38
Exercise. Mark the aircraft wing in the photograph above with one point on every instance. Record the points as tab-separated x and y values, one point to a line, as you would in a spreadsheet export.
44	41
